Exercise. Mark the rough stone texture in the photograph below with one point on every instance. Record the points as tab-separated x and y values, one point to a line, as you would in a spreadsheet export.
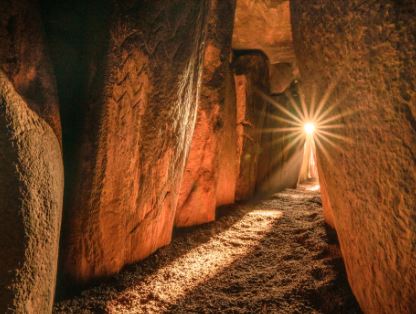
252	80
136	135
227	154
197	198
274	256
281	76
369	48
264	25
31	171
326	203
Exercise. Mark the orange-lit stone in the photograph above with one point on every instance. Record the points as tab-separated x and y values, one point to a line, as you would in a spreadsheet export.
197	198
136	135
31	170
369	50
251	79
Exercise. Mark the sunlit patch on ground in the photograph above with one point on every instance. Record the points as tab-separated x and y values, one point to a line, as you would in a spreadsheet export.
314	187
273	256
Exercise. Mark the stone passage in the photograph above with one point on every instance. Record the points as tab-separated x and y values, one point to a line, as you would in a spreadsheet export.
275	256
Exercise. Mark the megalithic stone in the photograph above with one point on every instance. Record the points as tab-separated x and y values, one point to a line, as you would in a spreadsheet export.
252	79
360	58
31	170
198	194
142	104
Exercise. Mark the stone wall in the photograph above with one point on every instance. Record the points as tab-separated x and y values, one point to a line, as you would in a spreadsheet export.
143	75
31	171
368	51
252	80
198	195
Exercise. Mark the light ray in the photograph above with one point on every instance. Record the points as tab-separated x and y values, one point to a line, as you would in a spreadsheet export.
278	130
323	150
285	137
313	100
294	105
278	106
279	119
325	97
329	109
334	135
337	117
295	141
332	143
331	126
303	104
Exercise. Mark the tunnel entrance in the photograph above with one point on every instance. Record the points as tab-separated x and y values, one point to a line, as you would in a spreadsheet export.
309	169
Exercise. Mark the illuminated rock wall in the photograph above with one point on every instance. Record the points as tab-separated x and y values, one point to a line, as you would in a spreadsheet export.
252	80
227	154
144	66
369	50
31	171
198	195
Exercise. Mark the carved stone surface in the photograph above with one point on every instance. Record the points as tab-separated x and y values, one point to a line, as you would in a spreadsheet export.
197	199
368	51
136	135
31	171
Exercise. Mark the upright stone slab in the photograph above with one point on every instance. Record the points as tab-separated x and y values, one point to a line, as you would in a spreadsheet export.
31	171
141	109
369	50
227	153
252	80
197	198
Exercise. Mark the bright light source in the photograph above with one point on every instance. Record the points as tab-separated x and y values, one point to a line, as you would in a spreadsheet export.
309	128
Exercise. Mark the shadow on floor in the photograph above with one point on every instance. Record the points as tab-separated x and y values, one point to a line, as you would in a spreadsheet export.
269	263
307	278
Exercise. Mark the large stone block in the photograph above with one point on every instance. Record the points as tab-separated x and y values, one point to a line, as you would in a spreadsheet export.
368	51
228	167
136	135
197	198
31	170
252	80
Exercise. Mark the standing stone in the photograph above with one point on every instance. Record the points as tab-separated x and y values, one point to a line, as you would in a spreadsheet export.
369	49
252	80
31	171
197	198
227	154
140	115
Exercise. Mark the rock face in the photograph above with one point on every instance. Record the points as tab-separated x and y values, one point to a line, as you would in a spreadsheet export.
264	25
227	154
31	171
140	116
252	80
326	203
281	76
197	198
369	49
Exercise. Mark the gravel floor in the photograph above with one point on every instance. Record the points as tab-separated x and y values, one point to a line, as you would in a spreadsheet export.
273	256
